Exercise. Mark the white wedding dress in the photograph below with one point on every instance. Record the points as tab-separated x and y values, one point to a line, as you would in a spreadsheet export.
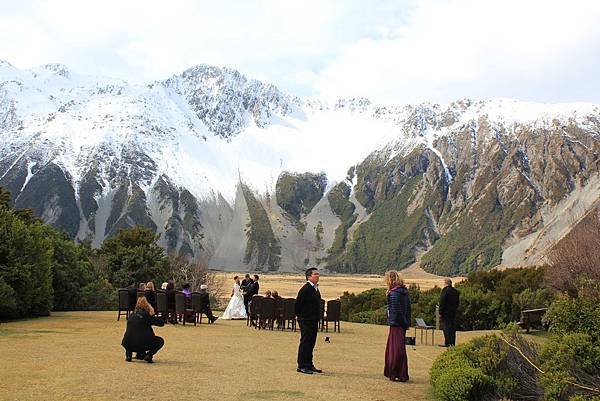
236	308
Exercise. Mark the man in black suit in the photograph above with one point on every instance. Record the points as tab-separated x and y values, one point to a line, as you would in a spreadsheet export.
449	300
252	291
308	312
244	287
205	301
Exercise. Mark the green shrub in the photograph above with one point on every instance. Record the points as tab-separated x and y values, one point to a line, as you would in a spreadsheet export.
459	374
579	315
25	267
98	295
563	359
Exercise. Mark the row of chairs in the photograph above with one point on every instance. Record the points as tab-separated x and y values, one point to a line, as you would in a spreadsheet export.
183	308
265	313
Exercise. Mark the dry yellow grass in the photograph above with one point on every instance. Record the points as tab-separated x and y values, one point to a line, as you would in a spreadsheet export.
78	356
334	285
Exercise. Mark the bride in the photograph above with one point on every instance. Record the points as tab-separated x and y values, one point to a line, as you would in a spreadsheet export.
236	308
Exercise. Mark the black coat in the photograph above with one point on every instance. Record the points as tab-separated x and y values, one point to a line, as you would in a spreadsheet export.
253	289
204	298
449	300
308	303
151	297
398	308
132	291
171	299
139	334
245	284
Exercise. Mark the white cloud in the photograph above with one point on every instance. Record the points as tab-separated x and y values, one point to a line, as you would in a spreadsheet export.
389	51
535	50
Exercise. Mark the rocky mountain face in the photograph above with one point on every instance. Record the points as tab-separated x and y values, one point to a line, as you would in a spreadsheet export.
234	170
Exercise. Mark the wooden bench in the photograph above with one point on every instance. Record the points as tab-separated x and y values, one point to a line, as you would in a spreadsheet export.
532	318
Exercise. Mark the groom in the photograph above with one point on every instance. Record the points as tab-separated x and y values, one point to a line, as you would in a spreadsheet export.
308	312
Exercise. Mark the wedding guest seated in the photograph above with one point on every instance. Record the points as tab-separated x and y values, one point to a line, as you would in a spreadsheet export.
206	304
276	295
170	291
268	294
142	287
139	336
151	294
164	286
132	292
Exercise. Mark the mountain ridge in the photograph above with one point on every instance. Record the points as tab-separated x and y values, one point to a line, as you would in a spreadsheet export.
170	154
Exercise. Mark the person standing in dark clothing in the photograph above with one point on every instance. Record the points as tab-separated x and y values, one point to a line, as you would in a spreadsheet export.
398	311
170	291
245	288
139	336
151	294
449	300
132	291
308	312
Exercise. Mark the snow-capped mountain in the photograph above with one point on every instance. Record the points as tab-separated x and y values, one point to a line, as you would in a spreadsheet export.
199	157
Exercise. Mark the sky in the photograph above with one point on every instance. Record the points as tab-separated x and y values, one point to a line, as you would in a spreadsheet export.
392	52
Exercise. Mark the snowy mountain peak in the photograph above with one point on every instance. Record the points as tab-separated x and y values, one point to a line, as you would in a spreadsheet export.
226	101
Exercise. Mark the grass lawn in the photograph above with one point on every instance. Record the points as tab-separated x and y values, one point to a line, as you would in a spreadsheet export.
334	285
77	355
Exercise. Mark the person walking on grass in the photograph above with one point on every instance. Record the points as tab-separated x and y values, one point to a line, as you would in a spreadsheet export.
449	300
308	312
139	336
398	311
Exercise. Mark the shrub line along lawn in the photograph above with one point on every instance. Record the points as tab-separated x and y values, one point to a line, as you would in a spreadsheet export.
78	355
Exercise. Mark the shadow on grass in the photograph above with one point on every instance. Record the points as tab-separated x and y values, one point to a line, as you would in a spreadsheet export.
270	395
5	332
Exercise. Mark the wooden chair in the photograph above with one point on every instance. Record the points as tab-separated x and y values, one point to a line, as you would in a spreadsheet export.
424	327
334	311
123	303
289	314
162	308
266	318
279	313
181	309
254	307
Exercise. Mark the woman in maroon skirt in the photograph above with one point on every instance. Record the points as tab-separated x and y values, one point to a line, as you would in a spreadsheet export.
398	310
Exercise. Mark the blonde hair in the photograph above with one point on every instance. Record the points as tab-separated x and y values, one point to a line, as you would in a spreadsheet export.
268	294
150	286
143	304
393	279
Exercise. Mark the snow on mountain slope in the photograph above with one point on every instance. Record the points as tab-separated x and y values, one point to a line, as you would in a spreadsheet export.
97	154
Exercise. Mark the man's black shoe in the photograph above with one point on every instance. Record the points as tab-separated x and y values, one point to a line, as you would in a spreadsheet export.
128	356
443	346
148	358
305	371
315	370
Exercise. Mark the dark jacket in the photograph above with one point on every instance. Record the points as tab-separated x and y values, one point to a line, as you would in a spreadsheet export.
449	300
139	333
398	308
151	297
245	284
204	298
132	291
253	289
308	303
171	298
